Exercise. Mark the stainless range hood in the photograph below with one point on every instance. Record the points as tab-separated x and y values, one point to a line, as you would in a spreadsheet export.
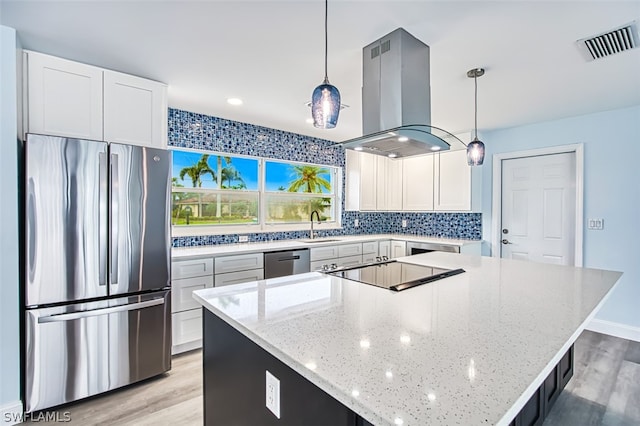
396	100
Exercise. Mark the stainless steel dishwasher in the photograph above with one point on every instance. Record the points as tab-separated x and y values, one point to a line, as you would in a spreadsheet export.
283	263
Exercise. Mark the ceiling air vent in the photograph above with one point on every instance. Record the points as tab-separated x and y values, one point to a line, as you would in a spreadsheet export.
609	43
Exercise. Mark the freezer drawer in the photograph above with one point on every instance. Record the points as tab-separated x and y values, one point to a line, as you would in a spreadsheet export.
79	350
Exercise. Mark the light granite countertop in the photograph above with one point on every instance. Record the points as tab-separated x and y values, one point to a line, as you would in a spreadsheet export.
469	349
240	248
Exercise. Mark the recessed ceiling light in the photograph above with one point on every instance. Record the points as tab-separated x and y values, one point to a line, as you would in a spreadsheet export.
403	139
309	120
358	148
435	148
234	101
392	155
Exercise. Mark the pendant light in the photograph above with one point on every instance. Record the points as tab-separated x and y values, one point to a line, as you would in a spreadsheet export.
475	149
325	101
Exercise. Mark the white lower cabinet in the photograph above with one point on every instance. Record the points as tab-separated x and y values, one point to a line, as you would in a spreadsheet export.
239	277
349	261
384	248
186	330
187	276
398	249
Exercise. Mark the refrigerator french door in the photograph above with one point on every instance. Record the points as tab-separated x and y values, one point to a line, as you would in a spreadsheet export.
97	280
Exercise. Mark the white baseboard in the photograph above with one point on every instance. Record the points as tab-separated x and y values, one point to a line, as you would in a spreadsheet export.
615	329
11	413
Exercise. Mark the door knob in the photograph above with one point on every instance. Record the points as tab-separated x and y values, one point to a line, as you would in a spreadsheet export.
505	241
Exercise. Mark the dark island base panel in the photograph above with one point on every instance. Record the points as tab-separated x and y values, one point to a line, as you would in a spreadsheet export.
538	407
235	382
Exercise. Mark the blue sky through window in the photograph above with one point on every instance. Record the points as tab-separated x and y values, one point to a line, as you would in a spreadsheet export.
247	170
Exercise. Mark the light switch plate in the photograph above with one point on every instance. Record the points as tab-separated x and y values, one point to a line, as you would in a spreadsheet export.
595	224
273	394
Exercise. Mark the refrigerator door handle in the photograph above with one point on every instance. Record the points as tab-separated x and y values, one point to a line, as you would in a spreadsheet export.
102	218
114	218
103	311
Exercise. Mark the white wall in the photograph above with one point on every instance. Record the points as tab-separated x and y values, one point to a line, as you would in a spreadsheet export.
611	191
9	320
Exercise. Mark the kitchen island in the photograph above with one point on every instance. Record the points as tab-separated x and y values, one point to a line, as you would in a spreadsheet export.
469	349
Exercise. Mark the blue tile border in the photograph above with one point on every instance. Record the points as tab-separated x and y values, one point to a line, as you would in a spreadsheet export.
199	131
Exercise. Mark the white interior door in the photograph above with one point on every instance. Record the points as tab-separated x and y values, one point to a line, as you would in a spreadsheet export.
539	208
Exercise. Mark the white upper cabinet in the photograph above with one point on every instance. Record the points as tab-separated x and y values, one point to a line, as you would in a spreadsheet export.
352	180
135	110
452	185
66	98
373	182
394	184
380	183
417	178
368	179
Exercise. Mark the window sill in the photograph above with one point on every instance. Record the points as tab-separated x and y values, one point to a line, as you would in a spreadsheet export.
203	230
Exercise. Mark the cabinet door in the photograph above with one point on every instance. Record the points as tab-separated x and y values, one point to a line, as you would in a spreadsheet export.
186	326
368	190
352	180
381	180
394	184
135	110
398	249
417	178
64	98
384	248
452	189
182	292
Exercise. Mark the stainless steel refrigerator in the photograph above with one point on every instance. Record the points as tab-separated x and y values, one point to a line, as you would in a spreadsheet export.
97	280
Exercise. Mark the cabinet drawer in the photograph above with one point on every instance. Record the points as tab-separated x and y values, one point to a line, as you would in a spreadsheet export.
186	326
369	257
181	298
370	247
239	277
191	268
350	250
241	262
317	265
350	260
322	253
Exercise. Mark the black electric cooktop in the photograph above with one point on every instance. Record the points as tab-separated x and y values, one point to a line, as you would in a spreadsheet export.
394	275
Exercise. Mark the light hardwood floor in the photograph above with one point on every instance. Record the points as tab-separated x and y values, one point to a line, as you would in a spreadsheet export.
605	390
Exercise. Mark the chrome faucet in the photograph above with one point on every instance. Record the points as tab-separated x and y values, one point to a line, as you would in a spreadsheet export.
312	234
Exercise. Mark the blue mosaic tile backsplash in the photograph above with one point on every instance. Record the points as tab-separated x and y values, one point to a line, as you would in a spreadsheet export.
198	131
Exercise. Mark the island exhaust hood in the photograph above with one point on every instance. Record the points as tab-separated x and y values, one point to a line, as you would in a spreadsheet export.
396	100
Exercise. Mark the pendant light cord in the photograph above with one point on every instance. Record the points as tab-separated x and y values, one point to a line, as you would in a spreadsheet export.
475	80
326	37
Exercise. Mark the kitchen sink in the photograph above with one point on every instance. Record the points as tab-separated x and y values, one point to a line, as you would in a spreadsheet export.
319	240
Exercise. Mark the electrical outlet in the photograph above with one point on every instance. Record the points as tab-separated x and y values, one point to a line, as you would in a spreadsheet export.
404	223
273	394
356	223
595	224
243	238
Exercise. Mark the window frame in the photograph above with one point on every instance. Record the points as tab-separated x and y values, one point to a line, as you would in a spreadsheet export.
262	226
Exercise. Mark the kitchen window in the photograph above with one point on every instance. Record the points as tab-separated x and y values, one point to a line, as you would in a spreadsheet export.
216	193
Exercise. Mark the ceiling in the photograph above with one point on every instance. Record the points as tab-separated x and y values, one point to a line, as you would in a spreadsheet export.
270	54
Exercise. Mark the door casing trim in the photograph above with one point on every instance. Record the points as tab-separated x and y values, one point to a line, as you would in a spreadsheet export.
496	205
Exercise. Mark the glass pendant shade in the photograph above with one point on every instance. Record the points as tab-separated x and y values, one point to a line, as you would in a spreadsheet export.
325	106
475	153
